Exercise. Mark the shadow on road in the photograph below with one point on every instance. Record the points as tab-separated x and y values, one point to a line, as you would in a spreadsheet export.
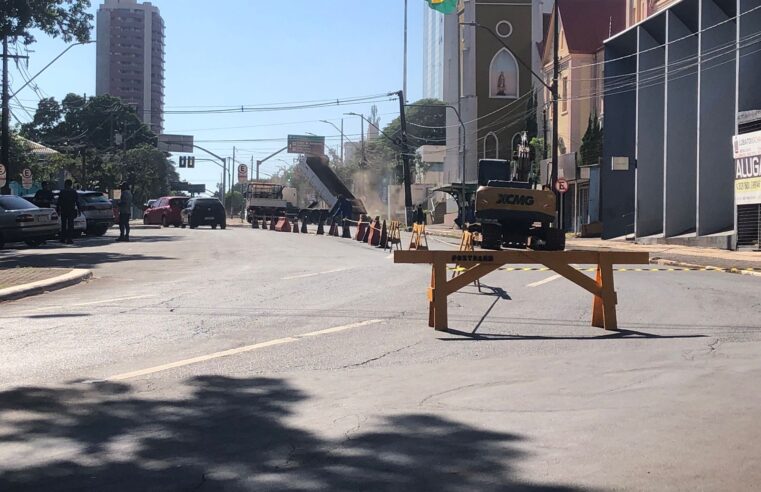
233	434
608	335
69	258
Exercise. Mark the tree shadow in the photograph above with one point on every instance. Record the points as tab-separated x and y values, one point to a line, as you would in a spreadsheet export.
232	434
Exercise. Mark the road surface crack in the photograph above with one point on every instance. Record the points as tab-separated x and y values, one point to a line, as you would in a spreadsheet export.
391	352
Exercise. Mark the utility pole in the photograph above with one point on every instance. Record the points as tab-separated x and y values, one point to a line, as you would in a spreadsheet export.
405	159
555	104
6	138
342	141
404	76
362	133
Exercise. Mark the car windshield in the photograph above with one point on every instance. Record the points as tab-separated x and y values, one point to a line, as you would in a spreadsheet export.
15	203
94	198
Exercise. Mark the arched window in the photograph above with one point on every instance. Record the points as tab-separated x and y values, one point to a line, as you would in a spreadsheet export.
491	146
503	75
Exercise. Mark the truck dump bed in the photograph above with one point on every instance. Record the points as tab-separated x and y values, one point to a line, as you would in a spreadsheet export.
327	184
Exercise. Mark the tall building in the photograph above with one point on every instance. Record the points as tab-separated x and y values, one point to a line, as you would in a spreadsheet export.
433	54
130	57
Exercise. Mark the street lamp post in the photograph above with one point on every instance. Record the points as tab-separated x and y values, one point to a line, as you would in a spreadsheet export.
462	161
5	122
343	136
362	134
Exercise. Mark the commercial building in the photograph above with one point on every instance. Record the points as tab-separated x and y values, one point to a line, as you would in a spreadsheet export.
679	84
584	27
130	57
486	82
433	54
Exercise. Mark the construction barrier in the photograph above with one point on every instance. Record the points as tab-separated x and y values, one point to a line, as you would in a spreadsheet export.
394	236
321	226
383	241
254	223
482	263
361	229
346	229
418	237
273	224
374	232
333	228
264	223
283	225
295	225
304	229
466	246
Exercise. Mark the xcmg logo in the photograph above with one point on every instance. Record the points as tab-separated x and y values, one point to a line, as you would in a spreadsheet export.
511	199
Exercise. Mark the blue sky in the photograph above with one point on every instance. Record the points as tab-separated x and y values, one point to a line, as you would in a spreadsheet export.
250	52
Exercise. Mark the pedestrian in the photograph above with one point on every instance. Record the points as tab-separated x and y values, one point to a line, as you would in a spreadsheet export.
339	209
125	212
68	209
420	215
44	197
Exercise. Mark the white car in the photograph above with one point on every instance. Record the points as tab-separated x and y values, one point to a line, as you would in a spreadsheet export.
80	225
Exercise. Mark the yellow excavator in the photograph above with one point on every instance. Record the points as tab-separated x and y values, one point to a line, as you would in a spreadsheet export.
510	212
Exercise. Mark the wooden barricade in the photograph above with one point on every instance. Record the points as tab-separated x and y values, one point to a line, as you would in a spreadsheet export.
466	246
418	237
394	236
482	263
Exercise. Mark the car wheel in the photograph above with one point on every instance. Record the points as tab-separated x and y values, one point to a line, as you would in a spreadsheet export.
193	226
164	222
33	243
145	220
222	225
214	226
182	225
100	231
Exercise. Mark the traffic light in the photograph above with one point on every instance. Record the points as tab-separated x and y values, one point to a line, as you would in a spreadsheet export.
183	162
191	162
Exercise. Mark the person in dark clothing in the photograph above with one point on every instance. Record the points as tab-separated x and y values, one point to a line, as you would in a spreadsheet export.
125	212
419	215
342	209
44	197
68	209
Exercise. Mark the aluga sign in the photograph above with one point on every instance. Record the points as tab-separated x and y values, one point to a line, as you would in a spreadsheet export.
747	153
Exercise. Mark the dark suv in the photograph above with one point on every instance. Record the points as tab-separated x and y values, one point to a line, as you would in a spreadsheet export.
204	211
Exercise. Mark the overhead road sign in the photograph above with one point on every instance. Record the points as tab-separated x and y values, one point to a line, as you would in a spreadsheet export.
311	145
182	144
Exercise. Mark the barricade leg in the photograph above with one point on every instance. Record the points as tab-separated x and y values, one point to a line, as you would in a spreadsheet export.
438	297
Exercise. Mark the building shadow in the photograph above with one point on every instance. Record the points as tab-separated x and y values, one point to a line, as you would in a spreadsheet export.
71	259
233	434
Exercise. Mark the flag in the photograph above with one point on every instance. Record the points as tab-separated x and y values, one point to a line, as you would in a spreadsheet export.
443	6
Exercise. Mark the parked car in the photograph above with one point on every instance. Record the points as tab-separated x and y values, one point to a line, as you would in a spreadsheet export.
80	222
204	211
167	211
23	221
97	209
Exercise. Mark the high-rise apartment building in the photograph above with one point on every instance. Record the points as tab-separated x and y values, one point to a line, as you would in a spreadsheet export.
433	54
130	57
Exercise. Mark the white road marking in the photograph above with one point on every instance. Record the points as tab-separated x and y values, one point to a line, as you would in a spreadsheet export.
307	275
85	304
545	281
235	351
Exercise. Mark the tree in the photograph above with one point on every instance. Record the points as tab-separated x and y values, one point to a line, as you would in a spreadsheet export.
590	151
65	18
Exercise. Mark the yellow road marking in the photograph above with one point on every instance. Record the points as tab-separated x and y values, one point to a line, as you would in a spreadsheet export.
236	351
307	275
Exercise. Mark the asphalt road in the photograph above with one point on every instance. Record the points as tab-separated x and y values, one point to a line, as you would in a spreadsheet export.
255	360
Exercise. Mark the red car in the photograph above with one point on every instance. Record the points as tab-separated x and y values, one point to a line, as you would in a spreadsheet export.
166	211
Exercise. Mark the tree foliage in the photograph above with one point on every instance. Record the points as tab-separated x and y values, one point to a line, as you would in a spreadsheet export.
67	19
590	151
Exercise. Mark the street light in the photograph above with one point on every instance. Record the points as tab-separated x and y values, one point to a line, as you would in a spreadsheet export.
362	134
341	131
5	143
462	162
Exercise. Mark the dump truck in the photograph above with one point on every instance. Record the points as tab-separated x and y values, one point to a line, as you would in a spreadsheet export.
511	212
327	184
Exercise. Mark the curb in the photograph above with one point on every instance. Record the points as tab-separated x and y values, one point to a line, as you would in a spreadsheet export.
735	270
40	287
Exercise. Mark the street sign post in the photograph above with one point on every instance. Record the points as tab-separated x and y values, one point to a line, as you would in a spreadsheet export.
561	185
26	178
242	173
306	144
3	175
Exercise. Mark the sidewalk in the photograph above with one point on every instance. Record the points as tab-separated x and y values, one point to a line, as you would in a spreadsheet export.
687	256
16	283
